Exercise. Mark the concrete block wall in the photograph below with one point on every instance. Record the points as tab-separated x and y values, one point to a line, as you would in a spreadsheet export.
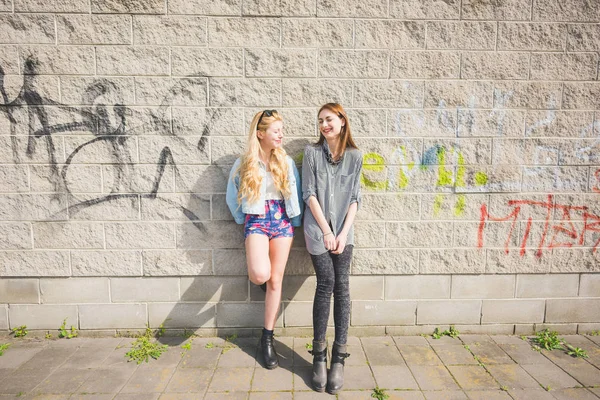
479	123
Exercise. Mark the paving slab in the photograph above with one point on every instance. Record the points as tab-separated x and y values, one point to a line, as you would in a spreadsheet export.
201	357
453	354
23	381
411	340
394	377
524	354
443	340
433	377
358	378
88	357
383	354
573	394
15	357
238	357
302	378
531	394
595	339
512	376
94	396
231	379
302	358
405	395
189	380
474	339
271	396
490	353
507	339
63	381
473	377
419	355
181	396
488	395
446	395
550	375
357	355
311	395
278	379
585	373
106	380
49	358
377	340
138	396
148	380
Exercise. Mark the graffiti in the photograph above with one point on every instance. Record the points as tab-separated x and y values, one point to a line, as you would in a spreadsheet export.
595	188
435	157
109	126
561	233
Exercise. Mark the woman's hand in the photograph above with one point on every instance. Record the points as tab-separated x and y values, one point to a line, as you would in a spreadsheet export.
340	243
330	241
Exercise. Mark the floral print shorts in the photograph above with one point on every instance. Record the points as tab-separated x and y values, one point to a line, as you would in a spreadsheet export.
274	223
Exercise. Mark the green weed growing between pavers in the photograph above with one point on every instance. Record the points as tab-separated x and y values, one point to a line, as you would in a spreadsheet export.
142	349
187	346
576	352
549	340
229	343
452	332
20	331
3	348
63	332
379	394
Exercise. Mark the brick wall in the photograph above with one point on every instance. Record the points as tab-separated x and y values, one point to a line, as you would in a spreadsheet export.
479	121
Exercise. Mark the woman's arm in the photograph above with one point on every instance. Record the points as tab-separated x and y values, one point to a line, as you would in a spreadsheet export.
297	220
343	235
309	195
328	237
232	193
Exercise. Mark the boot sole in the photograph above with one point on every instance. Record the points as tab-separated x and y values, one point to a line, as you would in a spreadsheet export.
320	390
272	366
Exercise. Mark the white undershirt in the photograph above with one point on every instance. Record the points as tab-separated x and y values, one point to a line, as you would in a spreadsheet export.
271	190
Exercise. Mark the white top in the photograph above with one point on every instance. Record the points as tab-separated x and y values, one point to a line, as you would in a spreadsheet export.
271	190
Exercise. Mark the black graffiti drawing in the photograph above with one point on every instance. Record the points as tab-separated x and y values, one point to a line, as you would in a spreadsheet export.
107	123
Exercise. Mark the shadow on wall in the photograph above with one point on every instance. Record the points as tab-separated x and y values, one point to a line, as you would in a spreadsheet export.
216	294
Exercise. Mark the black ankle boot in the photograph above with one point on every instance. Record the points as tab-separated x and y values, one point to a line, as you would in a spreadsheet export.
335	379
319	369
268	351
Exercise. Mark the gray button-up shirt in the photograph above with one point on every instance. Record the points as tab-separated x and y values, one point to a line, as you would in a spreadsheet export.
335	187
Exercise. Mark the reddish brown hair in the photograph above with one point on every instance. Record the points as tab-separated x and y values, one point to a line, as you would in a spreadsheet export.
345	133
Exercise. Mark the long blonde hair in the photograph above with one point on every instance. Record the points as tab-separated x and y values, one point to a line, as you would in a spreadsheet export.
249	170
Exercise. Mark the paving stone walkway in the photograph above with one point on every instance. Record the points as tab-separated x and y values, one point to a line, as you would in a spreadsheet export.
410	367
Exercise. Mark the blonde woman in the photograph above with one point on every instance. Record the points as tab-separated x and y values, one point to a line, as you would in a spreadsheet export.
263	193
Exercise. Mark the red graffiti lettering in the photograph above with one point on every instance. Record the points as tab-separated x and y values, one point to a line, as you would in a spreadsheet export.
597	176
562	231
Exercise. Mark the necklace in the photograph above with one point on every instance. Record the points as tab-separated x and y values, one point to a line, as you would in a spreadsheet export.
330	159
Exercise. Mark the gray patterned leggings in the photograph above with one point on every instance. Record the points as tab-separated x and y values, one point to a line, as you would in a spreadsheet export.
333	272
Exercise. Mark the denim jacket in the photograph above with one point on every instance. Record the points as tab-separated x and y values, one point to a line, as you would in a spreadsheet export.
293	205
